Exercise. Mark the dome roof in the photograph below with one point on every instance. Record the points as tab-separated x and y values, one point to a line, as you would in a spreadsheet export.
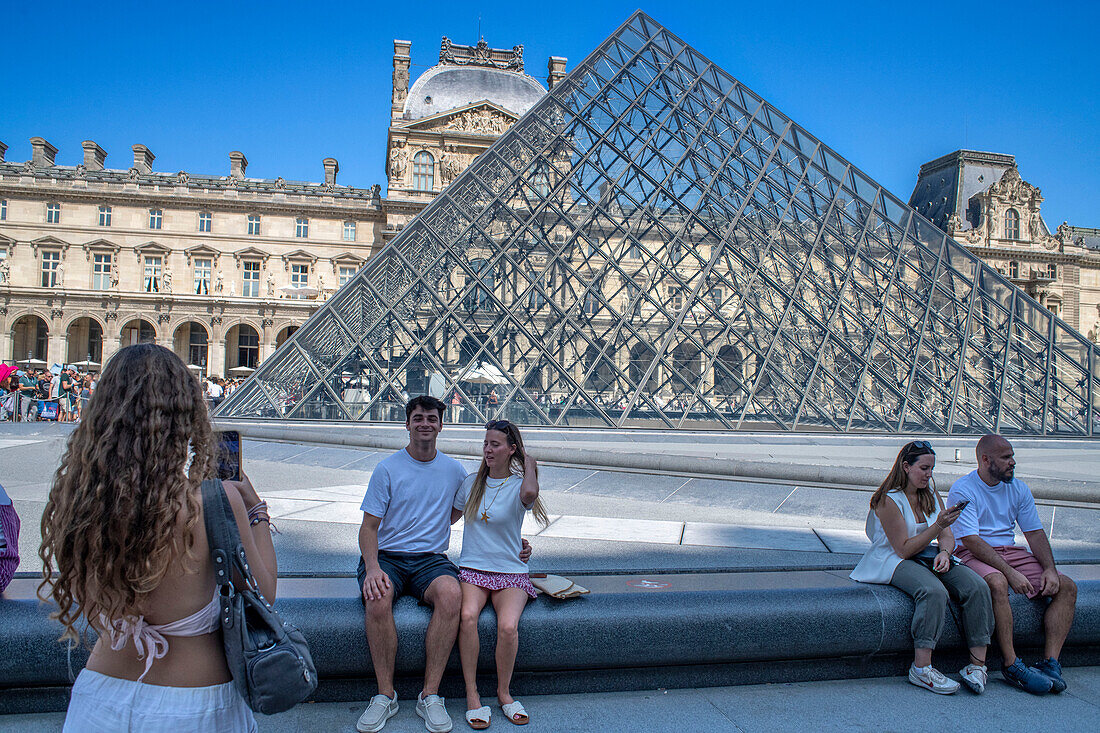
446	87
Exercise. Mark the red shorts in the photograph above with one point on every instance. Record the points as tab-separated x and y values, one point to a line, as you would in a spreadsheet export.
1017	558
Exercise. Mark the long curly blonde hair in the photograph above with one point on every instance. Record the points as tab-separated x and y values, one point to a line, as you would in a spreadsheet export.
125	500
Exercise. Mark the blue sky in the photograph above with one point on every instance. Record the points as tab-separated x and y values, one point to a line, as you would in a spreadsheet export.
887	85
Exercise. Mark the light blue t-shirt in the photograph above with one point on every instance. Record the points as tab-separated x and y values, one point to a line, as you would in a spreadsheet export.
492	540
413	499
993	510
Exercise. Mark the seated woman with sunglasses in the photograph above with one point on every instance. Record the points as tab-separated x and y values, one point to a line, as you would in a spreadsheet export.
494	502
906	516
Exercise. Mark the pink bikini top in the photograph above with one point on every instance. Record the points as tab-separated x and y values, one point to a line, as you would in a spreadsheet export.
149	638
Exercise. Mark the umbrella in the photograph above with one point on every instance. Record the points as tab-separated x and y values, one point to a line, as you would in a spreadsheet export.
240	371
87	365
32	363
196	368
485	373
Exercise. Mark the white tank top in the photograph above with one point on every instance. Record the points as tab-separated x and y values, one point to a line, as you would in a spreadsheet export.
879	563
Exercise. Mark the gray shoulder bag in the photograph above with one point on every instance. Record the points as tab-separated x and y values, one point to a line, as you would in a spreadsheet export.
268	658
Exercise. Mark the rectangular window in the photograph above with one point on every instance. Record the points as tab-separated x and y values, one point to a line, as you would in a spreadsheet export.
248	348
151	279
50	262
349	231
203	267
299	277
1052	271
101	272
301	227
254	225
53	213
3	209
105	216
206	221
676	297
346	273
155	218
251	280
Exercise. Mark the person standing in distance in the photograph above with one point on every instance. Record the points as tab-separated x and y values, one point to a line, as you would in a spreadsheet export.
997	501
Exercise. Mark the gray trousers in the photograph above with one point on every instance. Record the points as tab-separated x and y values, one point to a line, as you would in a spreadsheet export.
25	404
930	591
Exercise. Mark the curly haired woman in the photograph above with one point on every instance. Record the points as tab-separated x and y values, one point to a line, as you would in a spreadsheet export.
124	546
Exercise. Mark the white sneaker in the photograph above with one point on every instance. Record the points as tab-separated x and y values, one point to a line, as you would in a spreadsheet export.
932	679
434	712
976	676
374	718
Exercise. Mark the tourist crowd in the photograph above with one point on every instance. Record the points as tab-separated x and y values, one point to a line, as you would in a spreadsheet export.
44	394
148	587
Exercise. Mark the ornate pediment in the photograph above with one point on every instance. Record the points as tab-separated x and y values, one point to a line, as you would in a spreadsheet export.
1014	190
479	118
203	250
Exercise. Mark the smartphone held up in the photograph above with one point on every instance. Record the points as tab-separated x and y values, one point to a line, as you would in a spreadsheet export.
229	455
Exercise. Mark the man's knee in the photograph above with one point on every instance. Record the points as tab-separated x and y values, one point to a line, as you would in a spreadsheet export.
445	596
1066	587
998	585
379	609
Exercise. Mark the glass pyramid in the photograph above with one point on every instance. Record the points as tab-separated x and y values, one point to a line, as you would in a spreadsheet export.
654	245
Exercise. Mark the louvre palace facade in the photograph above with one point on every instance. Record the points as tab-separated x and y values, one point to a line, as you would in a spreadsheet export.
223	267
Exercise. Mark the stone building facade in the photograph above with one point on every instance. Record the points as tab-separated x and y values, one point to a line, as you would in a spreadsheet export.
980	199
223	268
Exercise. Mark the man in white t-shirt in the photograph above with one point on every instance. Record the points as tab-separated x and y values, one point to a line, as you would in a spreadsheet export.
403	543
985	529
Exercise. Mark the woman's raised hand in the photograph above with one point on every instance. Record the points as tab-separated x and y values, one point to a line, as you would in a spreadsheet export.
529	463
245	489
948	516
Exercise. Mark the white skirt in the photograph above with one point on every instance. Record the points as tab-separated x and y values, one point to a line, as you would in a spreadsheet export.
107	704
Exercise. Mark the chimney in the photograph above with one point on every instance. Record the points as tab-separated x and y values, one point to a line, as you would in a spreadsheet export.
42	153
331	169
94	156
401	61
237	164
143	159
555	70
3	149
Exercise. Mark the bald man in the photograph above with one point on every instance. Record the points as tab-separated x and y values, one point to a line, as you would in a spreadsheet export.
997	501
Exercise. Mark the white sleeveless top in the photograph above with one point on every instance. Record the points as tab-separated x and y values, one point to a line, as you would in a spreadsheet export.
879	563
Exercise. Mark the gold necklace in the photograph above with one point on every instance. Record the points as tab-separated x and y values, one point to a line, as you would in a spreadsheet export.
485	515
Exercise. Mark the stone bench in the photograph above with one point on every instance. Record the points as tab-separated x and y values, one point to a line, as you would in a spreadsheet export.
631	632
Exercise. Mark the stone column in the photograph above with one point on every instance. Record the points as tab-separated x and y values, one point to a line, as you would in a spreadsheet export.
401	61
215	349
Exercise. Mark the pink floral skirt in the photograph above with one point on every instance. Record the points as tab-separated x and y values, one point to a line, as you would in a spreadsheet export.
497	581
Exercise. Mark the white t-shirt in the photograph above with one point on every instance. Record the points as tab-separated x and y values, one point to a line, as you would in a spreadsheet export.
214	390
993	509
413	499
493	544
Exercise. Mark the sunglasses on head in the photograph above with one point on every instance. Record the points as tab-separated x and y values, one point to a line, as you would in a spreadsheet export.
919	448
500	425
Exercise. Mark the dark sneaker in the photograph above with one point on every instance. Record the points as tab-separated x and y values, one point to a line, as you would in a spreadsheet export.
1028	679
1052	669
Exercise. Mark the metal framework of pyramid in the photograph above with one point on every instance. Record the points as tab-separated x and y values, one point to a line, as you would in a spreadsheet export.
654	245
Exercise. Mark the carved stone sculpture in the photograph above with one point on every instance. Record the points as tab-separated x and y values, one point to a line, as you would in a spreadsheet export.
219	282
59	275
953	223
5	270
399	160
166	280
400	84
270	285
450	165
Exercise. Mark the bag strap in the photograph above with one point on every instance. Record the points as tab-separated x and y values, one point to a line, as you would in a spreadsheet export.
226	549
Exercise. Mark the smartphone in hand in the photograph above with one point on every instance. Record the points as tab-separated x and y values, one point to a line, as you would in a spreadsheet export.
961	505
228	455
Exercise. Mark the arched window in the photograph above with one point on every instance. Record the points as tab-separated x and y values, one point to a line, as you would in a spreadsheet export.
423	171
1012	224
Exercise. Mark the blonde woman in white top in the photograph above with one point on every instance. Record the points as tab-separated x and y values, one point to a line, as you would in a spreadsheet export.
906	516
494	502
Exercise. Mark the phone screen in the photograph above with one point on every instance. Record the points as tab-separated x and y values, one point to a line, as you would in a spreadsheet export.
962	504
229	455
